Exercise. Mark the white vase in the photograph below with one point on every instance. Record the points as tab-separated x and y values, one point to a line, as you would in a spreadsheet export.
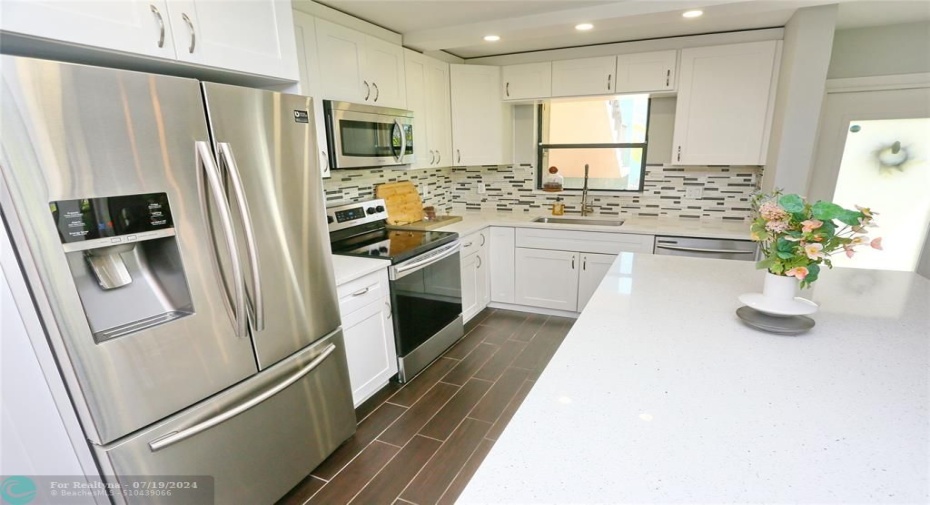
778	288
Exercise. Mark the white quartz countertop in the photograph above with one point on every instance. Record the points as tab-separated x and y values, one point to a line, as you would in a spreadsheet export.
472	222
349	268
659	394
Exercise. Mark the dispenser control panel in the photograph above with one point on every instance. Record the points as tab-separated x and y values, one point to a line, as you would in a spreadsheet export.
96	222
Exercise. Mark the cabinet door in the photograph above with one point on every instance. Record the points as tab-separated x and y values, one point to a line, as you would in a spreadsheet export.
593	269
418	101
133	26
384	71
370	349
341	52
439	121
547	279
311	84
532	80
256	37
483	278
654	71
469	287
724	99
586	76
501	269
481	123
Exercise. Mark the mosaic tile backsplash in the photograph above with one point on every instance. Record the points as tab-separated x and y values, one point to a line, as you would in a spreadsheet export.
434	184
725	192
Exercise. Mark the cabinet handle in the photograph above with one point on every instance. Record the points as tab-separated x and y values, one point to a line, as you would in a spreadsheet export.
467	245
573	262
507	89
432	157
367	90
161	26
483	240
190	26
438	157
388	305
478	259
584	263
668	76
609	77
377	91
362	291
679	153
459	153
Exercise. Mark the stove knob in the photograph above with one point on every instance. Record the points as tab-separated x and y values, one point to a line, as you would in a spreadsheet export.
383	249
370	210
373	253
379	208
330	220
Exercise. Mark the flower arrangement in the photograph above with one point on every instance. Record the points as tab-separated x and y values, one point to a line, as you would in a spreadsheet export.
796	237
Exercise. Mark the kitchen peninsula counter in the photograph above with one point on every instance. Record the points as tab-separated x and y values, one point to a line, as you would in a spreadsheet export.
659	394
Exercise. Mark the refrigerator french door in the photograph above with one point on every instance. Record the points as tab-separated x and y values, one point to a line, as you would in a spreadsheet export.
184	281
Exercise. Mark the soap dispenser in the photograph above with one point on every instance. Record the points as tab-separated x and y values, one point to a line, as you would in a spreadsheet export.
558	208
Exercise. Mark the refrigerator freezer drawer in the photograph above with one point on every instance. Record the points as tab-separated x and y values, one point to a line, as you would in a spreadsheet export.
258	439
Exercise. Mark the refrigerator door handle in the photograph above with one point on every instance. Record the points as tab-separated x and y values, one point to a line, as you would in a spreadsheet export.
208	167
177	436
258	308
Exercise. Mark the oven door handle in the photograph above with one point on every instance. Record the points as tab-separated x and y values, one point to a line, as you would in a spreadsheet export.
405	269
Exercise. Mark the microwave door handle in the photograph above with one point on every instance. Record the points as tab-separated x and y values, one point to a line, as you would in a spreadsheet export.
403	141
226	155
206	166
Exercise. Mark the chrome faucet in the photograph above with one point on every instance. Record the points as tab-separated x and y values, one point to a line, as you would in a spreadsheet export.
585	208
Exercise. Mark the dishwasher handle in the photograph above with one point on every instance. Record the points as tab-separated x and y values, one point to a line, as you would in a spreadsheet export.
703	250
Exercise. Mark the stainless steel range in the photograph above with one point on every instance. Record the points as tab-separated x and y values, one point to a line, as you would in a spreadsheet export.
425	277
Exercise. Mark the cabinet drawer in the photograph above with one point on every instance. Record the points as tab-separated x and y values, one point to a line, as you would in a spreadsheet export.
583	241
474	242
354	295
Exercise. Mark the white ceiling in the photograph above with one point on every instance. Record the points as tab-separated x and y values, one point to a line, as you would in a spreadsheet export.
458	26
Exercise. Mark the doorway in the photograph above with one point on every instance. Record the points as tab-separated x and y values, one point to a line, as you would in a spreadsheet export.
874	151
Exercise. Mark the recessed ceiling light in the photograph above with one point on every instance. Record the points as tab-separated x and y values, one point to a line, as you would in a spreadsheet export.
491	38
583	27
692	14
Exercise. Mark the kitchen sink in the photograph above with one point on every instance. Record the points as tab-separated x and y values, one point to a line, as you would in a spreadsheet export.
571	220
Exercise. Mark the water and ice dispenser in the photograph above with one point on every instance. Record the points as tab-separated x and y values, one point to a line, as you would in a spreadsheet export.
124	258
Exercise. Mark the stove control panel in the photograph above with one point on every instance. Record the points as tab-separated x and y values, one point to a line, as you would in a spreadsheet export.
353	214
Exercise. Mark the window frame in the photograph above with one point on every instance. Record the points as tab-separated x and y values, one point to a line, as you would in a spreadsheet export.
540	147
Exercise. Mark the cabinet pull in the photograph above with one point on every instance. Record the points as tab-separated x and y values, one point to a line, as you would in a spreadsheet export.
668	76
483	240
679	153
361	291
161	26
190	26
478	259
377	91
459	153
609	77
573	262
389	312
467	245
584	264
438	157
507	89
367	90
432	157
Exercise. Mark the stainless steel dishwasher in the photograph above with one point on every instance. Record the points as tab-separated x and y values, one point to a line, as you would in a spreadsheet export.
727	249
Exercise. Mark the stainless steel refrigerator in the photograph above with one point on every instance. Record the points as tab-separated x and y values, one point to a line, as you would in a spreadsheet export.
174	240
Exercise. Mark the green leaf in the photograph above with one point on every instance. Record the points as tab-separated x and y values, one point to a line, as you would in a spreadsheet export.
828	229
765	264
826	211
792	203
813	269
784	255
850	217
785	245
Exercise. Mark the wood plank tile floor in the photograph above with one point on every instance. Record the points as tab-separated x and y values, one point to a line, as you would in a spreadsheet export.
421	443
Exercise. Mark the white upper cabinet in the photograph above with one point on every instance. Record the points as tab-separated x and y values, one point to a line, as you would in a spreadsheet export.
130	25
311	83
482	125
532	80
724	108
587	76
653	71
428	98
360	68
254	37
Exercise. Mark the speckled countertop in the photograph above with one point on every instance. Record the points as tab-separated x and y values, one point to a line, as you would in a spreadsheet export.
659	394
472	222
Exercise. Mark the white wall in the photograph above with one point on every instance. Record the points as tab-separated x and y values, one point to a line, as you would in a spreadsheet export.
881	50
801	82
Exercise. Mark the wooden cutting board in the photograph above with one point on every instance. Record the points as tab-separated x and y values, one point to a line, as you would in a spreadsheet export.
402	201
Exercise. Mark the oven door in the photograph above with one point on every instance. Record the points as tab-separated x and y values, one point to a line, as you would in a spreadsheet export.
426	297
368	137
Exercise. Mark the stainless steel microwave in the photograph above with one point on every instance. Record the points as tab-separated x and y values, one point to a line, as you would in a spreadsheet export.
365	136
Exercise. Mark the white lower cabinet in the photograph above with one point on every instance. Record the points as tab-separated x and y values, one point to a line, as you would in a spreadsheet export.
501	259
365	306
593	269
547	279
476	275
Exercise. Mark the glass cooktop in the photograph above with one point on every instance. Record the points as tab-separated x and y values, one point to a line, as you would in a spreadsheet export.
394	245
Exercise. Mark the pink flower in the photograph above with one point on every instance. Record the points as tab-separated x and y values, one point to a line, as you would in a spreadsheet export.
810	225
771	211
876	244
813	251
776	226
799	272
849	251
